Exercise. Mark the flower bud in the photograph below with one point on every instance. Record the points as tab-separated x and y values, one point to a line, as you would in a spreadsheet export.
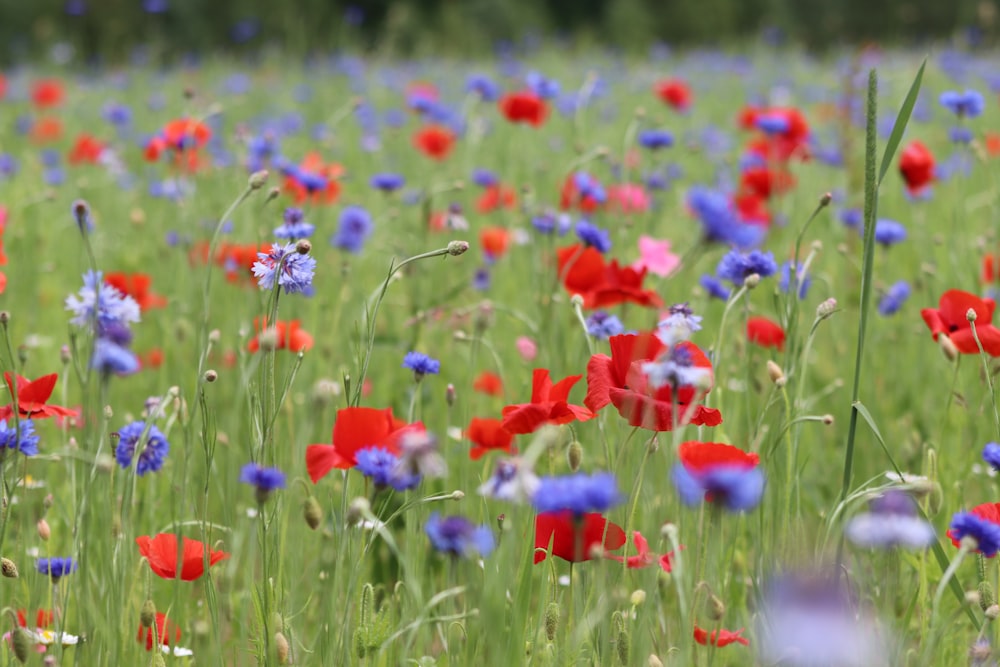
716	608
65	356
638	597
4	317
268	339
312	512
552	614
948	348
458	494
828	420
22	644
825	199
621	646
357	510
971	597
148	614
986	597
449	395
751	281
577	300
281	647
970	314
826	309
257	179
775	373
654	661
211	375
214	336
44	532
8	568
992	612
574	455
303	246
456	248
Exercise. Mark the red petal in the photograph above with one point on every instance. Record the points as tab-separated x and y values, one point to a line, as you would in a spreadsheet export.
38	391
560	529
599	382
560	390
321	459
699	456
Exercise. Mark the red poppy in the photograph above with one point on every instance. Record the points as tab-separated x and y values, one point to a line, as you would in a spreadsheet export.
782	146
720	637
289	336
495	241
164	628
916	165
570	196
488	435
43	618
950	319
988	511
698	456
434	141
747	117
488	383
314	180
3	86
584	272
355	429
186	134
46	130
575	540
548	405
752	209
136	285
151	359
524	107
237	259
31	398
642	558
765	182
86	149
992	141
47	93
161	552
675	93
495	197
766	333
620	381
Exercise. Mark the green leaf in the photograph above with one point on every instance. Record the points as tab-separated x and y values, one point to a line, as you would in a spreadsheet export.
867	416
902	118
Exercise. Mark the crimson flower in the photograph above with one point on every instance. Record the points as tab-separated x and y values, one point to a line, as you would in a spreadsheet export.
766	333
289	336
31	398
355	429
620	380
765	182
575	540
950	319
47	93
584	272
313	180
752	209
136	285
792	141
549	405
643	557
495	197
434	141
675	93
699	457
161	552
43	618
524	107
164	628
87	149
495	241
488	435
916	166
586	201
488	383
720	637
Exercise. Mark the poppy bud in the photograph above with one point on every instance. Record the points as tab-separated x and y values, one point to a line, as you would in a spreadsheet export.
935	500
716	608
214	336
621	646
44	532
552	613
312	512
257	179
108	412
970	314
654	445
278	622
211	375
148	614
449	395
458	494
500	520
8	568
986	597
574	455
456	248
775	373
357	510
751	281
816	246
22	643
638	597
948	348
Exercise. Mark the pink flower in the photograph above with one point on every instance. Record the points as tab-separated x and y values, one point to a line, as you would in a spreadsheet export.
628	198
526	348
655	257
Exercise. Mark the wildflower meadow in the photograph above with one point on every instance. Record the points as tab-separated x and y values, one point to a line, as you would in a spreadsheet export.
543	359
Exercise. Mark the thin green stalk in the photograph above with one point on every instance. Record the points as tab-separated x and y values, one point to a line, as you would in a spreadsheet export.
986	370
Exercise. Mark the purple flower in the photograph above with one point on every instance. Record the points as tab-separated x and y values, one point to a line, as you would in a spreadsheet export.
803	279
111	358
511	481
968	104
894	298
383	468
852	217
991	454
457	536
355	228
484	178
676	367
891	521
579	493
714	287
22	438
56	568
549	222
99	302
264	480
959	135
484	86
889	232
736	267
154	447
593	236
655	139
540	85
292	270
737	488
602	325
720	222
387	182
421	364
984	532
294	225
771	123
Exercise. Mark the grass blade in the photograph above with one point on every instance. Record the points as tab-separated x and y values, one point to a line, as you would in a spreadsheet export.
902	119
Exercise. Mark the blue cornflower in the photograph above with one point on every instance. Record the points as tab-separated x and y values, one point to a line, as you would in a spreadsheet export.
720	222
588	186
56	568
968	104
985	532
714	287
294	225
117	114
8	165
579	493
101	302
421	364
481	279
484	86
737	488
512	481
264	480
891	521
22	438
550	222
655	139
382	466
484	178
678	325
457	536
110	357
736	267
894	298
771	123
54	176
292	269
545	88
593	236
355	228
803	279
676	369
991	454
387	182
603	325
889	232
154	451
852	217
959	134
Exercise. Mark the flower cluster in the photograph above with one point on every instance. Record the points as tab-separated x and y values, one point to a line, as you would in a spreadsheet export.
107	313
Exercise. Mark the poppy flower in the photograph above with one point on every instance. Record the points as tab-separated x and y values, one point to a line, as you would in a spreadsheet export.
582	192
495	241
675	93
575	540
584	272
289	336
698	457
991	140
495	197
767	333
524	107
151	359
764	182
488	435
136	285
355	429
620	380
87	149
43	618
950	319
719	637
3	86
32	396
164	628
792	140
46	130
161	552
746	119
313	180
752	209
643	557
548	405
47	93
434	141
916	166
186	133
488	383
982	523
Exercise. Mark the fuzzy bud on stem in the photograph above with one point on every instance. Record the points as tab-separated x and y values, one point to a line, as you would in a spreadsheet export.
257	179
970	314
751	281
148	614
574	455
775	373
312	512
456	248
948	348
8	568
44	532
